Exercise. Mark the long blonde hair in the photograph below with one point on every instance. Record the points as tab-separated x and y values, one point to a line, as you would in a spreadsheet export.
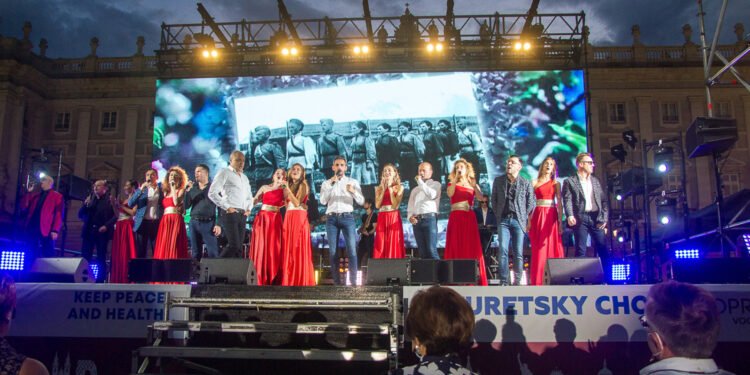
396	177
553	175
470	176
181	180
297	186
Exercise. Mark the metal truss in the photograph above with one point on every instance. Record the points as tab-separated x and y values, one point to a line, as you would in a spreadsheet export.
470	41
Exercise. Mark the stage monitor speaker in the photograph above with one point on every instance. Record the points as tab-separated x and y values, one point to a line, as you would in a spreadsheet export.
146	270
74	187
707	136
567	271
712	270
458	271
227	271
60	270
424	271
388	272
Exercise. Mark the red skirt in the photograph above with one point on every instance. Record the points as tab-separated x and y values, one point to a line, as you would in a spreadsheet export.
171	239
265	247
545	241
123	250
296	265
389	236
462	240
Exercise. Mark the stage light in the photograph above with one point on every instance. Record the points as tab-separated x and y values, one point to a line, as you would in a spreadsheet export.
94	270
687	254
285	51
293	51
526	46
620	272
357	50
663	158
206	54
517	46
361	50
621	230
746	239
12	260
439	47
214	53
430	47
666	209
365	49
42	175
618	197
618	152
629	137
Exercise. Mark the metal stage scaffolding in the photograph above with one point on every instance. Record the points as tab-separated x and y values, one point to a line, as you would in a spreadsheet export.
242	328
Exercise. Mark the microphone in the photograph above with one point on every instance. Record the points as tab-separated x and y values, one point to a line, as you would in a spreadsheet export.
339	174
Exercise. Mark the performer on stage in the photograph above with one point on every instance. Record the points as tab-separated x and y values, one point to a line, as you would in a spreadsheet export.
43	218
296	254
330	145
367	232
231	192
422	210
513	201
147	201
411	150
487	223
389	234
585	203
363	155
265	241
203	225
545	228
171	240
462	237
339	193
123	244
99	219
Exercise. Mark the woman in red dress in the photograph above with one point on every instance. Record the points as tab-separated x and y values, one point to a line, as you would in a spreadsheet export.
462	237
265	243
389	233
123	243
545	226
296	265
171	239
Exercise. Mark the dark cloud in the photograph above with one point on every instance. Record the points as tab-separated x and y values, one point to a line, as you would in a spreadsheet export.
69	25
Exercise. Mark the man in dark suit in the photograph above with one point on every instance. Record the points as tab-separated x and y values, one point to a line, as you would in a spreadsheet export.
146	221
98	216
585	206
43	218
513	201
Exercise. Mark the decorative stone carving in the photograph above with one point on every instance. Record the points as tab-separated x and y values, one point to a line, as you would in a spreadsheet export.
635	31
43	47
139	43
94	44
739	30
687	32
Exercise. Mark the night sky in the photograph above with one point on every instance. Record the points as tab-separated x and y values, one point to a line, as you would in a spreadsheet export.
69	25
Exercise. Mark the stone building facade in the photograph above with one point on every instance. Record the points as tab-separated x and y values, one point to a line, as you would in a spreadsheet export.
98	111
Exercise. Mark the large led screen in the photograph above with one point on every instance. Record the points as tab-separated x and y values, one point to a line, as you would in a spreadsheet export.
372	119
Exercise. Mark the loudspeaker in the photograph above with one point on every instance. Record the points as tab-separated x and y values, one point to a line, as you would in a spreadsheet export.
145	270
388	272
60	270
707	136
74	187
425	271
567	271
227	271
458	271
712	270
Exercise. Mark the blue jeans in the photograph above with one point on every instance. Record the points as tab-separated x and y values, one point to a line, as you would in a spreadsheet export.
510	233
425	233
202	233
335	224
585	226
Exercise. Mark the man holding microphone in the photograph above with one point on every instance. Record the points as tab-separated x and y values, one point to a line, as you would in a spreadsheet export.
339	193
231	192
422	212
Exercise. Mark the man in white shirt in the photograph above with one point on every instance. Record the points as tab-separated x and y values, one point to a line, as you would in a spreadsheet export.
339	193
422	212
585	205
231	192
146	221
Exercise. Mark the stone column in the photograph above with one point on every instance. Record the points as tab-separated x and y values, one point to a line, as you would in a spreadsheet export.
131	130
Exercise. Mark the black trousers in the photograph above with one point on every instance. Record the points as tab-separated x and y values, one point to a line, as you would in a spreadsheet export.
145	237
100	242
39	246
234	230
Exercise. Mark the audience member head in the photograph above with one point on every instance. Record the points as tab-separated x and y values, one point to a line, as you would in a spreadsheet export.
7	302
439	322
682	321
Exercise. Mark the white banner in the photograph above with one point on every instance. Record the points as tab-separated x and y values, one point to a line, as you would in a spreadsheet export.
583	313
92	310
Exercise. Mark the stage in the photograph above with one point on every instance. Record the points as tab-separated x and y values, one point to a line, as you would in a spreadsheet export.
226	329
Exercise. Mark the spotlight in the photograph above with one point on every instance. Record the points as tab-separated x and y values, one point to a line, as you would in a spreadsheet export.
618	152
666	210
439	47
42	175
214	53
618	197
687	254
517	46
430	47
12	260
365	49
357	50
206	54
629	137
293	51
621	231
285	51
663	158
526	46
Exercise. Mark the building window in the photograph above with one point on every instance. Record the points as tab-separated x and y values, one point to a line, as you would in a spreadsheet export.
617	113
722	110
670	113
109	121
62	122
731	182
